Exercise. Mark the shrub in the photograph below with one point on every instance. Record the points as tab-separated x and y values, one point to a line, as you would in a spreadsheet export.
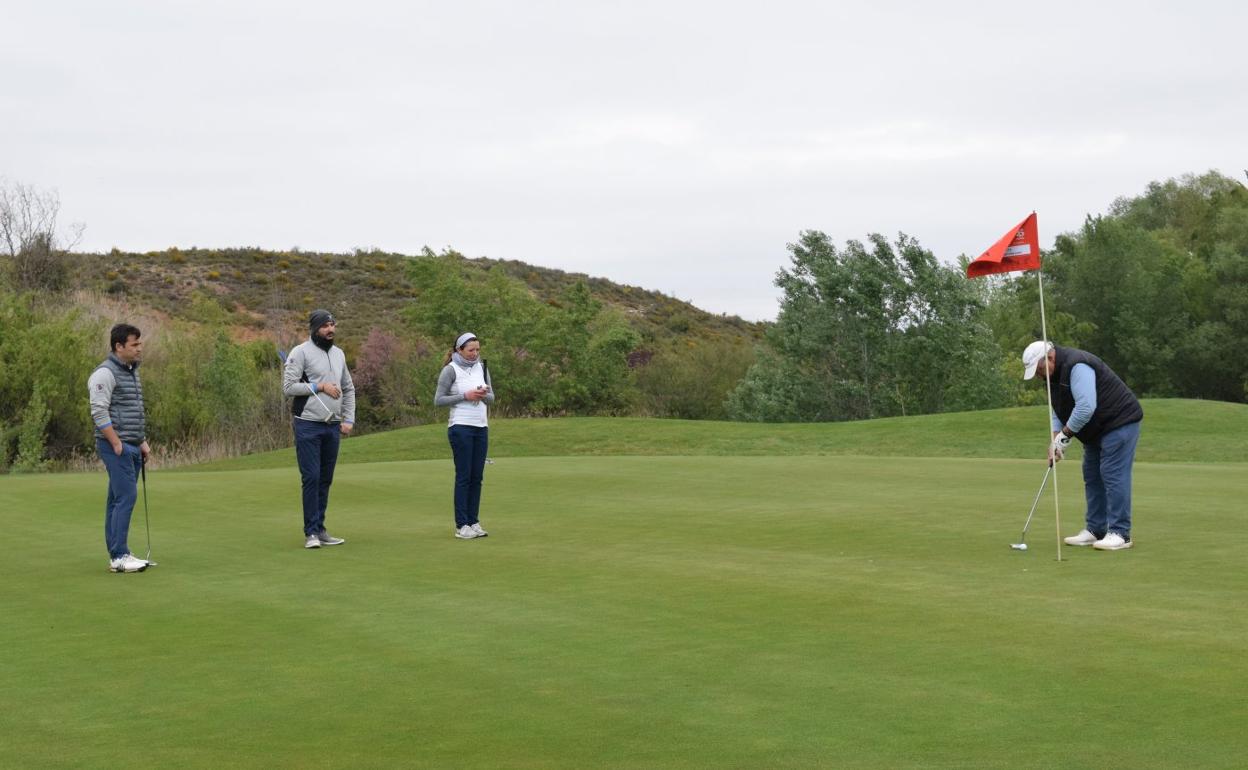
32	435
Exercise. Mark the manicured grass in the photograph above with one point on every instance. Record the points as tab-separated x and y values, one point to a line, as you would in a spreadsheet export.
1175	430
779	610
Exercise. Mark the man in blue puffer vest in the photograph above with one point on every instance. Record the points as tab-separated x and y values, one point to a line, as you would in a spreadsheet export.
116	397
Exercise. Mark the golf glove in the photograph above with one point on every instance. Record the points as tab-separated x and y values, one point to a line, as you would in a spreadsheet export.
1061	442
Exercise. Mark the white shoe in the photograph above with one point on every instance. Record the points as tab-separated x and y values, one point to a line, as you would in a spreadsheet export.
1112	542
480	532
1083	538
466	533
126	563
312	542
328	539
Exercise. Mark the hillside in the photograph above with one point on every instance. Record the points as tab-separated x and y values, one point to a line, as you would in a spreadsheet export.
271	292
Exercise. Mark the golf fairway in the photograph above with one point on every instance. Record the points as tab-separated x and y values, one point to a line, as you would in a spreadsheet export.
629	612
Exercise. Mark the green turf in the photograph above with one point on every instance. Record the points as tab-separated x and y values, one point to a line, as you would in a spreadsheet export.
630	612
1175	430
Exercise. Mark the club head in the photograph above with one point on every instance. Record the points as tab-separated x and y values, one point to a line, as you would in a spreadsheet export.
1019	546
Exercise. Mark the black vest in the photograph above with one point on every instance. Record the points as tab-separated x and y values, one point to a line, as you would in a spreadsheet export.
126	407
1116	405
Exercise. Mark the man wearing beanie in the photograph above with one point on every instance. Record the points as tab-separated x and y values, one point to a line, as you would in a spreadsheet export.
316	377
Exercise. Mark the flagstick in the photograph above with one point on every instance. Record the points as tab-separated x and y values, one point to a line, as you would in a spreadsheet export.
1048	390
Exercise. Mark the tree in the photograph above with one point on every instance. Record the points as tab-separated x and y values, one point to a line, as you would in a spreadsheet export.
37	254
870	330
1160	288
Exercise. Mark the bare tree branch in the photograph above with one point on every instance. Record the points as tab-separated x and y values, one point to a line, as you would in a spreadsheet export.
37	255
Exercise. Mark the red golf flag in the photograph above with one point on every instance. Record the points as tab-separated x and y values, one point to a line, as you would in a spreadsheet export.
1019	249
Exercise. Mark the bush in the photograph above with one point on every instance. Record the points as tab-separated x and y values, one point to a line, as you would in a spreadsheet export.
43	377
694	384
32	435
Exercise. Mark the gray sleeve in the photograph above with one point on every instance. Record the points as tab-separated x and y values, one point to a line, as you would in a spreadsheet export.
489	396
348	394
293	372
100	394
446	395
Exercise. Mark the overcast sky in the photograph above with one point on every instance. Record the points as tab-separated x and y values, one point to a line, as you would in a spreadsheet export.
677	146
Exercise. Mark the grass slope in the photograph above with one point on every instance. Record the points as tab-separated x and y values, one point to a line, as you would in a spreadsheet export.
1175	430
709	611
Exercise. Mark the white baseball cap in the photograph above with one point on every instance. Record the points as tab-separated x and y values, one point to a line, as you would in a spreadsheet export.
1032	355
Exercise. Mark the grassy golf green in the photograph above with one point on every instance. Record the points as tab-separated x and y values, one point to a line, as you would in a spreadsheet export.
793	604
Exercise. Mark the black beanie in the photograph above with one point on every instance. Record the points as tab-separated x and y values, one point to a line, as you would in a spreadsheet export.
318	319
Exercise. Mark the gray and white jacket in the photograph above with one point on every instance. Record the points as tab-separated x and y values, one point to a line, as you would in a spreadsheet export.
306	367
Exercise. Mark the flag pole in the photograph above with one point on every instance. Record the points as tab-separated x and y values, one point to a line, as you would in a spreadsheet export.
1048	390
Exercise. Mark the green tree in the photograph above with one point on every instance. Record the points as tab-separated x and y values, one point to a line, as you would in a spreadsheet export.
1159	287
870	330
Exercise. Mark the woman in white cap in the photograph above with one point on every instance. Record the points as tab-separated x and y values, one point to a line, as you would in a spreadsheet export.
464	385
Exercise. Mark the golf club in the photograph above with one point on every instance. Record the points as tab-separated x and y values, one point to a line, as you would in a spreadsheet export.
146	519
1022	544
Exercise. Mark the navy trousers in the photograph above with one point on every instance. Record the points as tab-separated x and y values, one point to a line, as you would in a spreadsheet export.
316	447
469	444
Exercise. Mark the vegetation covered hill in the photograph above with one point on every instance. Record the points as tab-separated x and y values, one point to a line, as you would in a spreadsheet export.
1158	288
271	292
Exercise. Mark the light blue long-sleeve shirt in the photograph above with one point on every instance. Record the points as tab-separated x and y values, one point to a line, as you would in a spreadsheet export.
1083	388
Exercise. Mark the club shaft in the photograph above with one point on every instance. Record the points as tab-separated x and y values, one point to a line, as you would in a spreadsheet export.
147	524
1036	502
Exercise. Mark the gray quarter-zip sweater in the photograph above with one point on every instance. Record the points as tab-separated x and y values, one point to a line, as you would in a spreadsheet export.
306	367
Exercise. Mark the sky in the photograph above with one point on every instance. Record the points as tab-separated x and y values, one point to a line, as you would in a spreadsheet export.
676	146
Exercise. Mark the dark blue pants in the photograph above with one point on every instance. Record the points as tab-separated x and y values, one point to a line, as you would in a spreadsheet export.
123	492
1107	480
468	444
316	447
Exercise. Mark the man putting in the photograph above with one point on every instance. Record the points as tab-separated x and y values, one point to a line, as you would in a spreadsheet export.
1094	405
116	400
324	410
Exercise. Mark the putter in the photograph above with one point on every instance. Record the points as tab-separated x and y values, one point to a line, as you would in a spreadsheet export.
146	520
1022	544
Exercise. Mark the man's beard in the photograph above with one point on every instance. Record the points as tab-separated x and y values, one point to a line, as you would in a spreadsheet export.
322	342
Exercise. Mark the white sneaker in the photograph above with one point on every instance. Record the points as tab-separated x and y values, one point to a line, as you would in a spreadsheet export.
328	539
312	542
480	532
1112	542
466	533
126	563
1083	538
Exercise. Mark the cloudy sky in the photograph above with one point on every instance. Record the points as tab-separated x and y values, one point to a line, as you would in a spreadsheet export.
677	146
